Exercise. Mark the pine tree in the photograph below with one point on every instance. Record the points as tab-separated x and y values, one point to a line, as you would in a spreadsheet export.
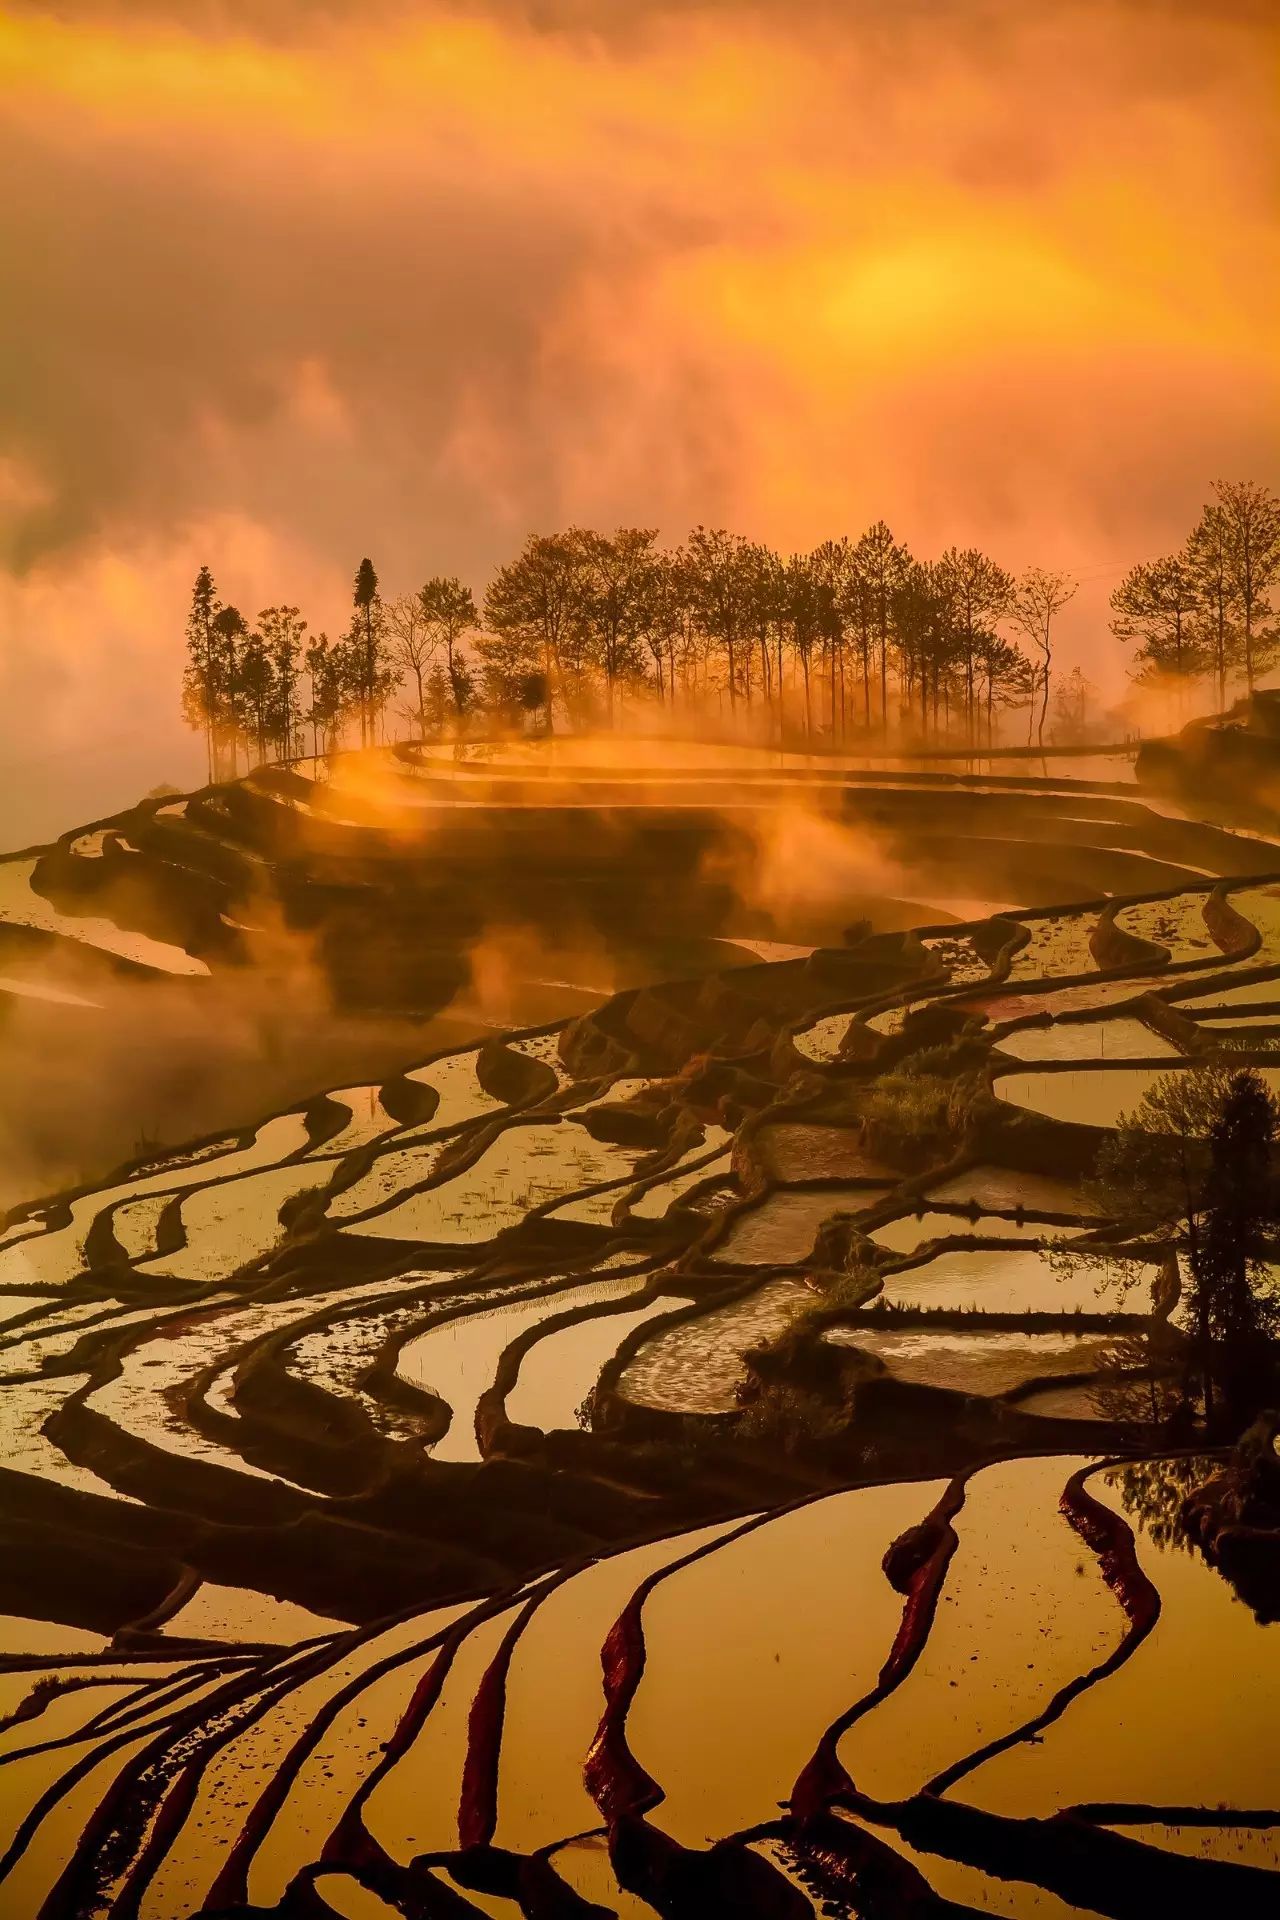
200	679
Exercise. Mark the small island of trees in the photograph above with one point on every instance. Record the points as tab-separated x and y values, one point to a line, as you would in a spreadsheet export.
845	644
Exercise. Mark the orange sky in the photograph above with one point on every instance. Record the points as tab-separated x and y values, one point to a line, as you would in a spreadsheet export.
288	284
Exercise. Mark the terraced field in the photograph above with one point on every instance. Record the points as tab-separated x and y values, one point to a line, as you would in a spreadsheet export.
625	1463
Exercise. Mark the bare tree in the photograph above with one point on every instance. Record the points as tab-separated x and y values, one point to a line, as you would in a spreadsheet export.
1038	600
413	648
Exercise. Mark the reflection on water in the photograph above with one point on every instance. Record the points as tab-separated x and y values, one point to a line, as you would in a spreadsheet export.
1006	1189
912	1230
1018	1280
461	1095
559	1371
239	1613
799	1651
555	1697
1177	924
697	1365
821	1040
585	1866
28	987
1122	1038
1249	993
229	1224
458	1359
1097	1097
1190	1717
414	1809
795	1151
1242	1845
1057	946
974	1890
985	1363
346	1752
525	1167
782	1229
342	1894
1024	1609
58	1255
22	906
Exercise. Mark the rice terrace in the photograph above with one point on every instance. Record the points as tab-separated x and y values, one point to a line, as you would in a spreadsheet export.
639	960
701	1450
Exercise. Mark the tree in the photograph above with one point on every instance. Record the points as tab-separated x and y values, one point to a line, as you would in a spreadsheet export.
1194	1157
882	564
1071	704
1004	675
1209	558
533	620
1038	600
1233	1301
253	697
617	593
230	632
766	585
1156	605
921	611
200	684
328	669
719	574
449	613
375	675
412	648
820	600
980	593
283	634
673	635
803	588
1251	516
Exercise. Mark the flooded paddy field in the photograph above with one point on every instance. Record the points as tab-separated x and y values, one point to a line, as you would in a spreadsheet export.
1095	1097
1013	1280
666	1458
1116	1039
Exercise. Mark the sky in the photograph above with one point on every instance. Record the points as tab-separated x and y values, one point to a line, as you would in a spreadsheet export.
283	284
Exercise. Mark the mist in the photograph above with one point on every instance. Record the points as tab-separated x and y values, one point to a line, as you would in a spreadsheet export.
293	291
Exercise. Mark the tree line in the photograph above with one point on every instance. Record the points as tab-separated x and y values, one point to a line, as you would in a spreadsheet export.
1204	613
849	640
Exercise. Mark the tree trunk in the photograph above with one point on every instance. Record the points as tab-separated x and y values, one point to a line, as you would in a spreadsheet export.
1044	698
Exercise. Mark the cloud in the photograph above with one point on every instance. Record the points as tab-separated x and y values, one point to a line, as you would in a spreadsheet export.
410	280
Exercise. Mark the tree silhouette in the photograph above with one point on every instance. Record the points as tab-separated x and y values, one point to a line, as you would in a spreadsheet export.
793	646
449	615
230	632
1157	604
1232	1302
979	594
1251	516
1037	601
1194	1158
533	621
201	678
368	624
